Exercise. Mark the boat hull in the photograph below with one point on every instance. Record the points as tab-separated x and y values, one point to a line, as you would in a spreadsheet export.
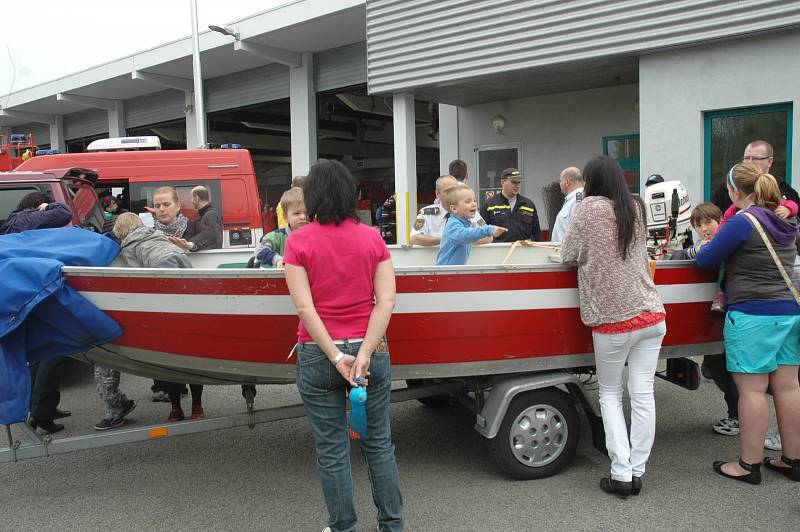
239	326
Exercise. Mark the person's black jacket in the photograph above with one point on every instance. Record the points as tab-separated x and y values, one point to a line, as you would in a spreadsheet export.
522	223
207	232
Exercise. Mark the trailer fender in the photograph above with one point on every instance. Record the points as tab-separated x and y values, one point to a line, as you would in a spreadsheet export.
504	389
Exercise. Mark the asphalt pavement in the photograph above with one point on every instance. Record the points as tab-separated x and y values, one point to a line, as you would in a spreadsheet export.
266	478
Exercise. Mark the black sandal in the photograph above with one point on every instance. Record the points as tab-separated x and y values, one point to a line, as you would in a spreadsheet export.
753	477
792	472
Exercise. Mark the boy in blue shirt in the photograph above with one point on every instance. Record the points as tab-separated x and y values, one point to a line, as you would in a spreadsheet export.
458	236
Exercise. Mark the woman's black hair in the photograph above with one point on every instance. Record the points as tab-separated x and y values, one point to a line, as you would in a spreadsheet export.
330	193
32	201
604	177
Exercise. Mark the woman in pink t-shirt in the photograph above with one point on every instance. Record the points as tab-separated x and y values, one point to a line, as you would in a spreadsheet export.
340	275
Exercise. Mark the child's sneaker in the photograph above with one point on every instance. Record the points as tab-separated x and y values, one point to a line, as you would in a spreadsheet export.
718	303
197	412
773	441
727	426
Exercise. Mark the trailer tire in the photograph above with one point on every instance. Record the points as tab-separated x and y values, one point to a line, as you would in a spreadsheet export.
538	436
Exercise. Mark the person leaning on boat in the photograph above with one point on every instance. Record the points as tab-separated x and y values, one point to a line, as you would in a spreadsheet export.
762	325
618	300
35	211
429	225
177	228
341	280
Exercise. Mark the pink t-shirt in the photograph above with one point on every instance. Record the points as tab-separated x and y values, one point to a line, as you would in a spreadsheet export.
341	263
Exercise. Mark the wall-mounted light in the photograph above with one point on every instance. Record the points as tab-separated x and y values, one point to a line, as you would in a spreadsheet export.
226	30
498	123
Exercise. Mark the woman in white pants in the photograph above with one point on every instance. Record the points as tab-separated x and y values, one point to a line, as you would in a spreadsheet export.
606	239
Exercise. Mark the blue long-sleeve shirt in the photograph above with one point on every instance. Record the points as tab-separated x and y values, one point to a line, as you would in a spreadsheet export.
457	240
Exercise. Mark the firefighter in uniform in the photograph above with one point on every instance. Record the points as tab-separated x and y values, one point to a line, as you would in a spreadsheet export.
571	183
511	210
429	224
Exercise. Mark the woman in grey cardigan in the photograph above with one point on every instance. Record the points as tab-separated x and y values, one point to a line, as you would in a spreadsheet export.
606	240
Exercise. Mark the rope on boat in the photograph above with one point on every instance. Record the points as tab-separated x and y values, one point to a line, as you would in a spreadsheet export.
528	243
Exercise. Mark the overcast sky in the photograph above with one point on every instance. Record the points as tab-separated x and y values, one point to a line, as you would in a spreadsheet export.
53	38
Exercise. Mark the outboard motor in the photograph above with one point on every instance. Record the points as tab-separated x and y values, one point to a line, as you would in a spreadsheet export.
668	210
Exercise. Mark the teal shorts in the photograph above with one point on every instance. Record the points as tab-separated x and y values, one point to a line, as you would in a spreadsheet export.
759	344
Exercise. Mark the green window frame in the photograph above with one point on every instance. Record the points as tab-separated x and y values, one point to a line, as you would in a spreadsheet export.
709	116
628	163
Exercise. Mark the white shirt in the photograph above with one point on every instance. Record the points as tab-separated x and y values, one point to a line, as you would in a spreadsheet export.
431	219
564	216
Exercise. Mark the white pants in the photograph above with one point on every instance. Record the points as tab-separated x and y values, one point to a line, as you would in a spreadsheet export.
640	349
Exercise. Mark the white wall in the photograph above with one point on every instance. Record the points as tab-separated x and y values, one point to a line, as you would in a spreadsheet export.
556	131
677	87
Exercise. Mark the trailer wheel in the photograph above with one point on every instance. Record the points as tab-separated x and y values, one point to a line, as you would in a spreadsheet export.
538	436
432	401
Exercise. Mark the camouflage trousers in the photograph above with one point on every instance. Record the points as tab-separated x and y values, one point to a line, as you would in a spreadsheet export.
106	382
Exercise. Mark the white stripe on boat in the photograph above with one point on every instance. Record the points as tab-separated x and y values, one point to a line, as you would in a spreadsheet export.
407	303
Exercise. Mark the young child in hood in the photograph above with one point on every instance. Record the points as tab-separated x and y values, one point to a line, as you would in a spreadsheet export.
145	247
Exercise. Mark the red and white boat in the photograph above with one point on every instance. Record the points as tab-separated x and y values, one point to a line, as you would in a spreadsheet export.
239	325
504	340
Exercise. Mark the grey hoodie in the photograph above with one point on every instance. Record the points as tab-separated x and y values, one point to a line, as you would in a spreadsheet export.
145	247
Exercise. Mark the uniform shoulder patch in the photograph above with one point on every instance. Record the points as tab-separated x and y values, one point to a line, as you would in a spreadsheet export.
481	221
419	223
579	197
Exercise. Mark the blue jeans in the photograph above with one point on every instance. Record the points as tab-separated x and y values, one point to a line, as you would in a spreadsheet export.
323	391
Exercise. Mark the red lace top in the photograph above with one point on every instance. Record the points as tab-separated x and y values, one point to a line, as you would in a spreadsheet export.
645	319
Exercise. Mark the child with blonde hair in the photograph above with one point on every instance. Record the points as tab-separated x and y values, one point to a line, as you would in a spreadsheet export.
458	236
145	247
270	250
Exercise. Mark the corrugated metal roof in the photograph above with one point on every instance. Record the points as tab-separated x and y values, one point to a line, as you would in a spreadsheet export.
417	43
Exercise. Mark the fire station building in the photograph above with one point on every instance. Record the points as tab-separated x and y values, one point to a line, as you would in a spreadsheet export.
396	89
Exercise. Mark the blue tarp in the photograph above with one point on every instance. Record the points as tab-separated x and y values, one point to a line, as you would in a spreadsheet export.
42	317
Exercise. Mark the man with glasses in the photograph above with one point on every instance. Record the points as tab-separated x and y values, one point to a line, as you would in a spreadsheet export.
761	152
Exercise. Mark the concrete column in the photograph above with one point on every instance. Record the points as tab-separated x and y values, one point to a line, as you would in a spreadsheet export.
116	120
405	163
191	121
57	133
448	136
303	115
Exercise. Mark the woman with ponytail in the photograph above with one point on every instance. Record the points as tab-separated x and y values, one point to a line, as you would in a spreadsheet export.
762	326
606	240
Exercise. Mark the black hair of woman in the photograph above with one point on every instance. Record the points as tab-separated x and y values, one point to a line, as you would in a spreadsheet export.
330	193
604	177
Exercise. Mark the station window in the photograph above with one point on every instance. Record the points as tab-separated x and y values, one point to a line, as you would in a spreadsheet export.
625	149
728	131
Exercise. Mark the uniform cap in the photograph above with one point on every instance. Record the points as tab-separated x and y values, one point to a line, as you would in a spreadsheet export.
512	174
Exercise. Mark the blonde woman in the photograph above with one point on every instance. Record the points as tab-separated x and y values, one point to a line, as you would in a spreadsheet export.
762	326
